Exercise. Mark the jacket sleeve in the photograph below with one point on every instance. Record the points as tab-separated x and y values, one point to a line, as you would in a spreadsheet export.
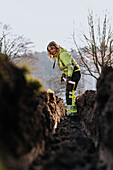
67	60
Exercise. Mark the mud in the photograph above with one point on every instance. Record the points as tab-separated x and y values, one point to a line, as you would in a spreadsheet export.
28	116
36	134
104	116
69	148
96	112
85	142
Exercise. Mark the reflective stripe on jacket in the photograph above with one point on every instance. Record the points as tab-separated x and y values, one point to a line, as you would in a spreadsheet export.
66	63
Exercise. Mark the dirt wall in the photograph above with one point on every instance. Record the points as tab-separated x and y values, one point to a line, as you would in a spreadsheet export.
96	114
28	116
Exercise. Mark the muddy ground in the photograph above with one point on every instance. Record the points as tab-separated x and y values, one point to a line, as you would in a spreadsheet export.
70	148
84	142
36	134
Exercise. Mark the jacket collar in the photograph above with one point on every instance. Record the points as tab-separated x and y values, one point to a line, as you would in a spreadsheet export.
60	51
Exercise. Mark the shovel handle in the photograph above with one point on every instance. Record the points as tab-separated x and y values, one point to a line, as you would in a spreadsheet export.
71	82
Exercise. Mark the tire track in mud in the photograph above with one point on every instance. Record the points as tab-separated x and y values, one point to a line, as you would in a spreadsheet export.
69	149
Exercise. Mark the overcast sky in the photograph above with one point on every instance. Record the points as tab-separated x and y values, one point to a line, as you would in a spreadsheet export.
44	20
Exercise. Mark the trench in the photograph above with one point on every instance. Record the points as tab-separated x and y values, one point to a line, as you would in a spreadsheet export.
70	148
35	133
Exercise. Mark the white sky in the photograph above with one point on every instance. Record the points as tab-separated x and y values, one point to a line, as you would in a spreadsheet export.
44	20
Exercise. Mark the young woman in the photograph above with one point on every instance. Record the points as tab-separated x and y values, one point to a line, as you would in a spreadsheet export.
71	71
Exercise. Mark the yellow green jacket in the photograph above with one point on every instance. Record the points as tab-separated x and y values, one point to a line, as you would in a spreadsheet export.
66	63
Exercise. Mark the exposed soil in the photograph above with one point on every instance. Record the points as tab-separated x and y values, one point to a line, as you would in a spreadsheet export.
69	149
84	143
36	134
28	116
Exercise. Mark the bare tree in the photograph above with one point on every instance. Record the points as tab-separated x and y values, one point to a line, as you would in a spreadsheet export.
13	45
98	50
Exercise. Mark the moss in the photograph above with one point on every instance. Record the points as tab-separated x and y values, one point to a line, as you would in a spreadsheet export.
4	75
2	163
3	56
35	83
3	69
2	166
24	65
50	91
18	109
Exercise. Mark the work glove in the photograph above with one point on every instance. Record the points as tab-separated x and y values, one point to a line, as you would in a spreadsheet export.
68	79
63	76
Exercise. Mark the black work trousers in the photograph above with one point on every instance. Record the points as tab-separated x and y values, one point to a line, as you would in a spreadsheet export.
69	87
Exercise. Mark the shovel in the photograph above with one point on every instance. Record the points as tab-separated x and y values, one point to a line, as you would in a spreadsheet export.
70	82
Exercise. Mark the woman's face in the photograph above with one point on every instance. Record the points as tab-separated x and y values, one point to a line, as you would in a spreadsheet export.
52	50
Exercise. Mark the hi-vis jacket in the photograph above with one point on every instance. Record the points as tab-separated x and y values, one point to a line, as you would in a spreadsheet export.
66	63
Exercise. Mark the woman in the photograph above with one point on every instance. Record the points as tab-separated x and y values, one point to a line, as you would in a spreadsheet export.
71	71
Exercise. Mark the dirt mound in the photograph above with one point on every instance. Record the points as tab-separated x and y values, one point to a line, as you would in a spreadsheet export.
30	115
104	118
86	103
71	147
27	116
96	110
